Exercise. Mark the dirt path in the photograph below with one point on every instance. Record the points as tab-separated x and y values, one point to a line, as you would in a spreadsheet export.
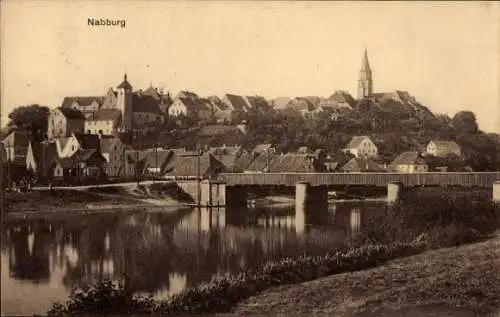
459	282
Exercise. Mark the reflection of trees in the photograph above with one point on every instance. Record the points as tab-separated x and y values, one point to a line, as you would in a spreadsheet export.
26	264
151	249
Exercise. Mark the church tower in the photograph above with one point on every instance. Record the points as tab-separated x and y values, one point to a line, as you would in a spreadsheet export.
365	82
124	103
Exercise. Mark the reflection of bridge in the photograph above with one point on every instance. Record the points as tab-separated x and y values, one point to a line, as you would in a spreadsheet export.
231	189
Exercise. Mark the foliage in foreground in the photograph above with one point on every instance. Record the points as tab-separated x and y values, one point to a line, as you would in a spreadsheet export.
222	292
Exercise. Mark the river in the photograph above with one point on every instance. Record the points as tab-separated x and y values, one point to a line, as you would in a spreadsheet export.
160	253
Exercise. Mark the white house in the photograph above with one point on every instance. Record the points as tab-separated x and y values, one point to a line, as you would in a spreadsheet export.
443	148
361	146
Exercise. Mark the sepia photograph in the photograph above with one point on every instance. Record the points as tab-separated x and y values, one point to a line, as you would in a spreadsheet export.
250	158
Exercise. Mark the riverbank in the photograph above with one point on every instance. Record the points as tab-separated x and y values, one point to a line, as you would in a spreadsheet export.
90	199
459	281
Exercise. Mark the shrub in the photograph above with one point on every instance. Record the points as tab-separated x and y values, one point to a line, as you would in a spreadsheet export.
105	298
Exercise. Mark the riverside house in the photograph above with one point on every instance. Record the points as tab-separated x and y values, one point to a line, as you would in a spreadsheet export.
409	162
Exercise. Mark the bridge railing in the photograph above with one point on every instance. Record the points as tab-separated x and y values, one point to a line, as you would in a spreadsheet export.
467	179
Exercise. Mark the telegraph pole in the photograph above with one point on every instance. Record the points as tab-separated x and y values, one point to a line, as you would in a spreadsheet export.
198	159
156	158
136	157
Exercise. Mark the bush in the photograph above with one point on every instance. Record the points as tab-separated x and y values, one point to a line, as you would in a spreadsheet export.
106	298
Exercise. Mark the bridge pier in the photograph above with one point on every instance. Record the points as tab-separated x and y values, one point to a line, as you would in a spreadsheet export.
496	192
236	196
213	193
306	194
394	192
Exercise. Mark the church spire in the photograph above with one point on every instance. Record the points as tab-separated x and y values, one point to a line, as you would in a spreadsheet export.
365	82
365	66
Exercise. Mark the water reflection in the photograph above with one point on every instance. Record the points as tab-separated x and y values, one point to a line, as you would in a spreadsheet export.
163	253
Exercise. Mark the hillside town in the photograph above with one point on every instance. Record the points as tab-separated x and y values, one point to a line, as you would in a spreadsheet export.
128	134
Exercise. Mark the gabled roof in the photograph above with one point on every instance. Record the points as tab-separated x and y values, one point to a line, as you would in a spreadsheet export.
363	164
257	102
293	163
236	102
88	141
259	162
83	101
409	158
218	104
106	115
356	141
158	158
341	96
187	94
301	103
192	165
145	103
70	113
194	104
280	102
137	155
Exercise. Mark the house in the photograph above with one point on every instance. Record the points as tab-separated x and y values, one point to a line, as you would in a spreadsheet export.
340	99
235	102
280	102
113	150
220	110
361	146
260	162
442	148
16	148
85	104
159	162
409	162
41	159
361	164
83	164
104	121
257	102
197	109
66	147
204	166
64	121
146	111
297	163
234	158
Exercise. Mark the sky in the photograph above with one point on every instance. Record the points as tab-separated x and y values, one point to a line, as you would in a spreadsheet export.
446	54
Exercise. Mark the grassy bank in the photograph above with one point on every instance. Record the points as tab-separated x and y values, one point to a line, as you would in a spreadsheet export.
459	281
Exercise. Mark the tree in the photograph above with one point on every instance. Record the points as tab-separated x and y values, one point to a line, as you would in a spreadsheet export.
464	122
32	119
